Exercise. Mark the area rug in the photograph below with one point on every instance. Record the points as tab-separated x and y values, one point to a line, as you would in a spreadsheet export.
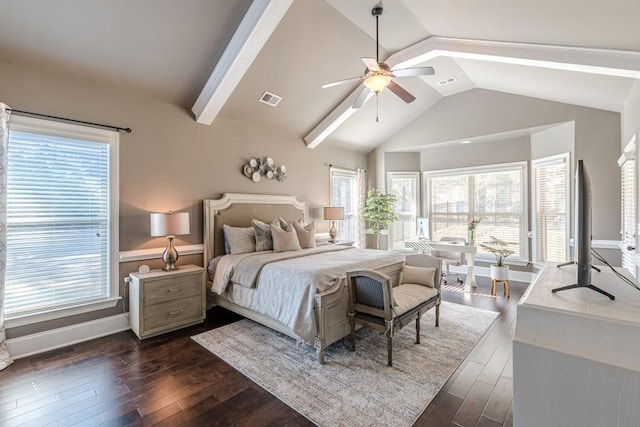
354	388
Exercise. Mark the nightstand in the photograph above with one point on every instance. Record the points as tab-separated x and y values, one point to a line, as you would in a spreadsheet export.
163	301
344	242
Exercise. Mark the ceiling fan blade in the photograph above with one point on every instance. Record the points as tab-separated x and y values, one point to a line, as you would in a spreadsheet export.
417	71
339	82
371	63
402	94
362	96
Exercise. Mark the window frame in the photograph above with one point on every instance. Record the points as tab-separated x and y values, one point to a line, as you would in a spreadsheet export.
522	166
628	159
413	175
549	161
111	138
352	174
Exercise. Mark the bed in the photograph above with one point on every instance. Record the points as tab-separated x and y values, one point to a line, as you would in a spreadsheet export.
276	297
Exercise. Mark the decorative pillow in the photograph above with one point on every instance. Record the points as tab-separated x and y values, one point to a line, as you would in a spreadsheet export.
284	224
284	240
306	234
419	275
264	241
240	239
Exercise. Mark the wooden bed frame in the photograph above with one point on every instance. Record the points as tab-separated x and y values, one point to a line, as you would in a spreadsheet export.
237	210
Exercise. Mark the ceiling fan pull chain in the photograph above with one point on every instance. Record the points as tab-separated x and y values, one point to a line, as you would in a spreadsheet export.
377	108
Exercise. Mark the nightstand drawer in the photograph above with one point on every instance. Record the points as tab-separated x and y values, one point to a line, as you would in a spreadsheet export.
173	312
171	288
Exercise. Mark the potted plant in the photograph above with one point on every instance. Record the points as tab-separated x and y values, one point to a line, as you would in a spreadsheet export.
500	249
378	210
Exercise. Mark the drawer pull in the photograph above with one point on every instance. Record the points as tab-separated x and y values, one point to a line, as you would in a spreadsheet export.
171	290
172	313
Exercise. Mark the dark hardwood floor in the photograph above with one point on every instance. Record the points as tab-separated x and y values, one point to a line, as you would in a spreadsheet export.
172	381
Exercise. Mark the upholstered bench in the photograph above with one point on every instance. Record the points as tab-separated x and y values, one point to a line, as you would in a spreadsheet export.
374	303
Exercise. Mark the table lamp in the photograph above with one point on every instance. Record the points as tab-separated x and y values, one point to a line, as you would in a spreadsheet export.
333	214
170	225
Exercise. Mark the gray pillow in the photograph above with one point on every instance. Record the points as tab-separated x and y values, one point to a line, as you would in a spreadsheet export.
284	224
241	239
264	241
306	234
284	240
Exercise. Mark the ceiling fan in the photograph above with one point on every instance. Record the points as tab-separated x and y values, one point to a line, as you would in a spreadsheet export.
379	75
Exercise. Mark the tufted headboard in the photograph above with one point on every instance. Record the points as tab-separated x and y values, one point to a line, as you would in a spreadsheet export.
237	210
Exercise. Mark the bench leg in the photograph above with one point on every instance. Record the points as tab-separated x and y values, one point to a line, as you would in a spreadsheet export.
389	351
418	329
353	334
437	315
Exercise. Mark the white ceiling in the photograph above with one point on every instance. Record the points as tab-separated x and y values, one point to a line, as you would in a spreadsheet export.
167	49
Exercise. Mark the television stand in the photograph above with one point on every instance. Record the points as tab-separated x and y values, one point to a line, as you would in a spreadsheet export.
564	264
575	285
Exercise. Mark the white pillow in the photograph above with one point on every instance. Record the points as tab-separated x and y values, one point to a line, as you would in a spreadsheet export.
241	239
284	240
425	276
306	234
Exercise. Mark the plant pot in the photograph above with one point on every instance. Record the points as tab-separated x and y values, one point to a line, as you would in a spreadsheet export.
499	272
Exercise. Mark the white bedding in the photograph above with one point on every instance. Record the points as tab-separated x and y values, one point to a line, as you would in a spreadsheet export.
285	289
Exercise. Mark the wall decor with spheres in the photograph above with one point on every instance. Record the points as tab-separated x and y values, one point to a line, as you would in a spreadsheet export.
257	168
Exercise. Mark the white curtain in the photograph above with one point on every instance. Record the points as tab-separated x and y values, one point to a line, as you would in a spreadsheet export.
5	360
362	194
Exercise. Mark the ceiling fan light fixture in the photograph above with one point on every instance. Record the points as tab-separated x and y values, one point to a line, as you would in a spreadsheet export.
377	82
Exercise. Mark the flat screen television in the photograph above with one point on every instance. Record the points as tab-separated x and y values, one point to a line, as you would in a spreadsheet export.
582	236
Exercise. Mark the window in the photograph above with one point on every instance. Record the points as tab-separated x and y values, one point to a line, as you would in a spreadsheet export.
496	194
344	192
62	184
404	185
550	199
627	164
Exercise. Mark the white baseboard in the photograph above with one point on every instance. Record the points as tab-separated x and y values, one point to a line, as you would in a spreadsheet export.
40	342
517	276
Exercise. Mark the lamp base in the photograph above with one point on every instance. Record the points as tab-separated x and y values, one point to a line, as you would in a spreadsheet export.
333	233
170	256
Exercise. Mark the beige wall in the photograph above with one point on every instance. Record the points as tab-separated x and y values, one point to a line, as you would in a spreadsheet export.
402	162
558	139
456	155
169	162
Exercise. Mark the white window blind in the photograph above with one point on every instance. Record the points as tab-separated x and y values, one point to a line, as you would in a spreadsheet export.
495	194
344	193
404	185
628	174
550	181
59	227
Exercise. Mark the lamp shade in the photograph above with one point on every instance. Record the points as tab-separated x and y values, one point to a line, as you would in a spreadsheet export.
170	224
333	213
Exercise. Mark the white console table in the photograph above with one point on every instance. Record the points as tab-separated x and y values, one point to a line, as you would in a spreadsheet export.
576	354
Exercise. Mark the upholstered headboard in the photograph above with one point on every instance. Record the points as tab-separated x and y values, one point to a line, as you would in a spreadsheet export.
237	210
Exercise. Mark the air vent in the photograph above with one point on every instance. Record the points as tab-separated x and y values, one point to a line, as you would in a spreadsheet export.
270	98
447	81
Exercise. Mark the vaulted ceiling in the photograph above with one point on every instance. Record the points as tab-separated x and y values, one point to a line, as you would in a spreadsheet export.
574	51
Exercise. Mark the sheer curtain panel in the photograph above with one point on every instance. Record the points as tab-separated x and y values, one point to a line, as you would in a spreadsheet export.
5	360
